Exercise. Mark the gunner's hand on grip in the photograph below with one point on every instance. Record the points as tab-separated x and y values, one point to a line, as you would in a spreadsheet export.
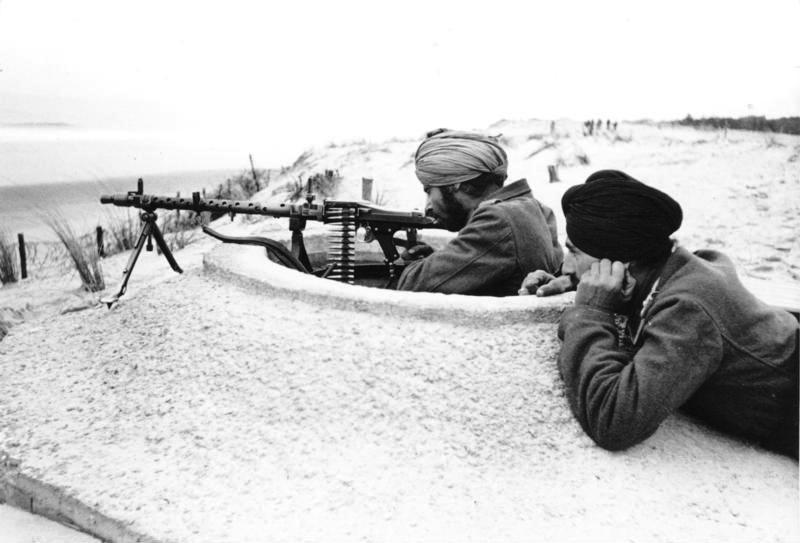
416	252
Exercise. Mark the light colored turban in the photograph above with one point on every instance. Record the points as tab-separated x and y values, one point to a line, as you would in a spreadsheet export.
451	157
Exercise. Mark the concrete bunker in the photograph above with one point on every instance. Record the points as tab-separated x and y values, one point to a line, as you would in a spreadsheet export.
372	289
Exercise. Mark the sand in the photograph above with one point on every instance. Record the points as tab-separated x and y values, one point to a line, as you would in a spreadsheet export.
213	406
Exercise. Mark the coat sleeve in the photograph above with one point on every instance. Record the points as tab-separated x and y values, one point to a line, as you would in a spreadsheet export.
482	254
620	399
550	217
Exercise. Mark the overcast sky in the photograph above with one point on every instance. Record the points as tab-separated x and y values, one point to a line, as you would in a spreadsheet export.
321	70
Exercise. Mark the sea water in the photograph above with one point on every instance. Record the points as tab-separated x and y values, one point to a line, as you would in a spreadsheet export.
57	170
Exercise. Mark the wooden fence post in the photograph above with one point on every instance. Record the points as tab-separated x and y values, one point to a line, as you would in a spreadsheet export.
101	249
253	169
23	262
366	189
553	174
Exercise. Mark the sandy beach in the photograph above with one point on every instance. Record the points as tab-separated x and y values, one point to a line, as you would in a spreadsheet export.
209	407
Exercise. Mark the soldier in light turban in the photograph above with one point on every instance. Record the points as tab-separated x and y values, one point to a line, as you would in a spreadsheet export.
450	157
503	231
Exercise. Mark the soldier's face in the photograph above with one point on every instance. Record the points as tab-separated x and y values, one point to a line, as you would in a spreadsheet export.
444	206
576	262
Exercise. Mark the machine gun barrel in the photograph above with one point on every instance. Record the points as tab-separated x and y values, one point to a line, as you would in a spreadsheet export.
149	202
364	213
346	217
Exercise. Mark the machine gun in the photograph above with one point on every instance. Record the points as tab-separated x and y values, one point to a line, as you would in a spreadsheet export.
346	217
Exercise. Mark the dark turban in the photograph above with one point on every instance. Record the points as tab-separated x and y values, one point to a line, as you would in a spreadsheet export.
615	216
448	157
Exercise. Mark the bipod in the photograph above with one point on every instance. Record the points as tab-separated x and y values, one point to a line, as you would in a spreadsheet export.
149	230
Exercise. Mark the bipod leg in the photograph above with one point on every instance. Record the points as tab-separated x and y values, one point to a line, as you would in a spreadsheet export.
149	230
156	233
126	273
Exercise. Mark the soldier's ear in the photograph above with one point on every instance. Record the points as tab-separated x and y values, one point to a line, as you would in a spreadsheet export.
628	284
452	189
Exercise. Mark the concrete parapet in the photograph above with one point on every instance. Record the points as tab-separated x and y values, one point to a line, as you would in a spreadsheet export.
249	265
35	496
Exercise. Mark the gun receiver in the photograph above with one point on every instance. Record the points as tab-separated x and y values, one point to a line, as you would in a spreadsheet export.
346	217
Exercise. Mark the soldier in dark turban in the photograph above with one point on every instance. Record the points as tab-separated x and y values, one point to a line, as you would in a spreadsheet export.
695	339
503	231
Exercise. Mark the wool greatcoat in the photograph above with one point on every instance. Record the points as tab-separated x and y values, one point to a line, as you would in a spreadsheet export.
705	344
508	235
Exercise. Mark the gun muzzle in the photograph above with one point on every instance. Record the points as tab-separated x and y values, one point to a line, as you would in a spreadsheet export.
116	199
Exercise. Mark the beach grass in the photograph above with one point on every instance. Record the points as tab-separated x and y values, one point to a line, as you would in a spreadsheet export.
380	198
84	256
323	185
241	187
181	229
123	230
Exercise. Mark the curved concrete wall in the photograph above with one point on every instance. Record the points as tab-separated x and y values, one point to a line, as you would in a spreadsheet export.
249	264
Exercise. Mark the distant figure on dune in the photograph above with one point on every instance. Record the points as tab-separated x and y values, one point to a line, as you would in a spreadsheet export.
503	231
694	338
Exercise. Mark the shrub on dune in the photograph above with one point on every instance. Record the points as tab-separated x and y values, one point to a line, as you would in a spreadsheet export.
181	229
323	185
123	230
84	255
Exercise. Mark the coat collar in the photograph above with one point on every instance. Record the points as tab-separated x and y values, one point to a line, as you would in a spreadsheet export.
656	278
512	190
679	258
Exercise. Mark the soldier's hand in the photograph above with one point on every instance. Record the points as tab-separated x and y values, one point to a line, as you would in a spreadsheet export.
542	283
420	250
602	285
